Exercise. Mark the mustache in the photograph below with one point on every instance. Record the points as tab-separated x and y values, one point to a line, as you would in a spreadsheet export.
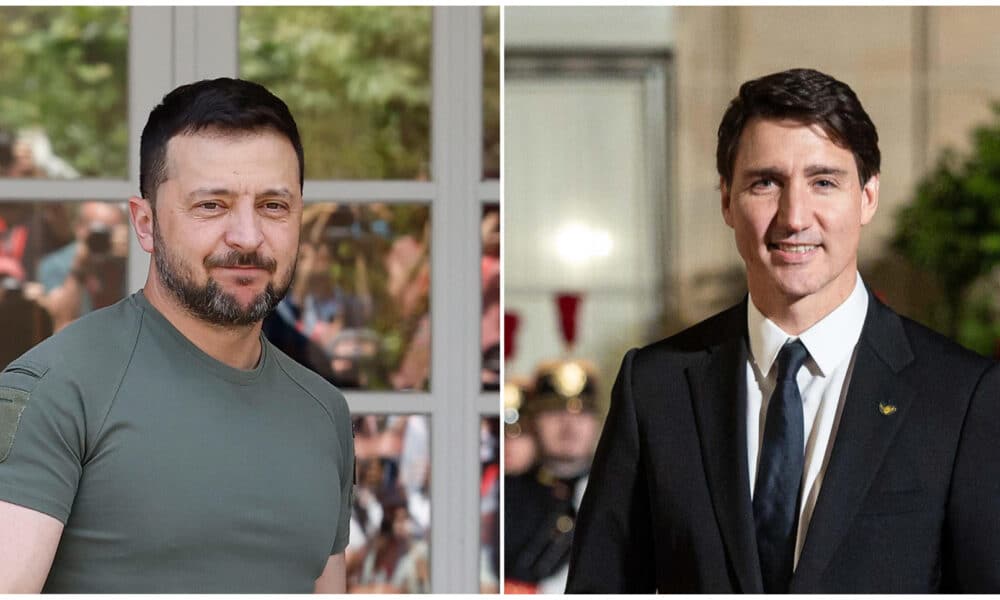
234	258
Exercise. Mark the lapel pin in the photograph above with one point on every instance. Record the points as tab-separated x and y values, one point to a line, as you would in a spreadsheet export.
886	409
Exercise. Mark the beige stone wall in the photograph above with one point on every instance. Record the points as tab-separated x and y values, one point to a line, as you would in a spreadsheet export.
926	75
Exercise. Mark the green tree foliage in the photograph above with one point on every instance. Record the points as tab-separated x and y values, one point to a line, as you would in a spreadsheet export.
952	230
357	80
64	69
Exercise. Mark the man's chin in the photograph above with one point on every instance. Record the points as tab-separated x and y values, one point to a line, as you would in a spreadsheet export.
243	299
795	286
795	293
246	296
225	309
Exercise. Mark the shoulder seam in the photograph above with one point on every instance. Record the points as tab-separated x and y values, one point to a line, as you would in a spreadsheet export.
118	385
304	389
346	444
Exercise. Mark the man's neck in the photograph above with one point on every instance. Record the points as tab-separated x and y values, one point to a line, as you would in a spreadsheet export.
794	316
236	346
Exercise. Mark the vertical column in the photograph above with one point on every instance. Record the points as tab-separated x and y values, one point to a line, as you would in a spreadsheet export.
456	124
216	35
185	44
150	70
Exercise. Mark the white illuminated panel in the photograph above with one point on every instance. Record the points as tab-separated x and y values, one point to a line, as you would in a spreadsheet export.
579	244
575	189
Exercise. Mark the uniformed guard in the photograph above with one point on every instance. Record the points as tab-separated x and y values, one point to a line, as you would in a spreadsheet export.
540	503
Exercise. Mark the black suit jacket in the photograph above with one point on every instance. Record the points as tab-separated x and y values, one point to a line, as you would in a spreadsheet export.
910	501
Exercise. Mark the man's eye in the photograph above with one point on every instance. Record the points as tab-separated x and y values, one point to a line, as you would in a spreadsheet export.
274	206
210	205
763	183
826	183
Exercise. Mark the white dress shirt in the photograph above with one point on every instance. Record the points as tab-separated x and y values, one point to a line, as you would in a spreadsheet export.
823	382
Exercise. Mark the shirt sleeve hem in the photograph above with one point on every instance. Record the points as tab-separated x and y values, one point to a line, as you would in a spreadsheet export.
338	548
35	503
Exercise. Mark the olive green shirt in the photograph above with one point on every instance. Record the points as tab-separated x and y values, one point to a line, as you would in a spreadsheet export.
172	471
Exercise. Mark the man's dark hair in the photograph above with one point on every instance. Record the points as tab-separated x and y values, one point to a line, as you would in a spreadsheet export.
804	95
228	106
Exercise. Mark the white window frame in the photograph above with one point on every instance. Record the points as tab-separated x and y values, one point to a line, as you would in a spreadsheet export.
169	46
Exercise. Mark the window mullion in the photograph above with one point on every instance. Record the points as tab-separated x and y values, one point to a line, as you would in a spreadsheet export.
455	364
150	74
217	43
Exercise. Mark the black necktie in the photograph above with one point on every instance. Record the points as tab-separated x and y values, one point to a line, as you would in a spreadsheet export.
779	474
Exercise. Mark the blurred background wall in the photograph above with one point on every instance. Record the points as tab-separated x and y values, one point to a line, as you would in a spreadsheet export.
610	129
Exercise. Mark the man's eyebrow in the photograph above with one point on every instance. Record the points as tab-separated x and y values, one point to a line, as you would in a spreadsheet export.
280	192
776	173
812	170
275	192
211	192
763	172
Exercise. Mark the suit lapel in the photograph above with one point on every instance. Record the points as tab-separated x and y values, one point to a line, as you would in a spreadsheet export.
718	388
863	437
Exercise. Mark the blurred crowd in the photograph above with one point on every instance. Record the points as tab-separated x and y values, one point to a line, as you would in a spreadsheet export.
551	425
390	521
389	550
490	273
489	506
58	260
358	310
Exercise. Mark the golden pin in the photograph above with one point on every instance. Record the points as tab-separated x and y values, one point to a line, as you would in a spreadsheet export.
886	409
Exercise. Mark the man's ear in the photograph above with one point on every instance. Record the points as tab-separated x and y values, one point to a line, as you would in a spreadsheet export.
869	200
140	212
727	213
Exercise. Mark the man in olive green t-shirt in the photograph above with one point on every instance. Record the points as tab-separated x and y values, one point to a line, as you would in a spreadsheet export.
163	444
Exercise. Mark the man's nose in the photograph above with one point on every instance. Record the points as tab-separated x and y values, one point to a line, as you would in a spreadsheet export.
243	230
794	207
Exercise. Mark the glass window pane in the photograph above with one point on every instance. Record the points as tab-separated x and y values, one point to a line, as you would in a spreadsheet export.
389	551
358	310
63	95
357	80
58	261
491	92
489	337
489	505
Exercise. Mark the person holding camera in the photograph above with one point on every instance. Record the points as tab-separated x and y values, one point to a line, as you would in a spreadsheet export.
88	273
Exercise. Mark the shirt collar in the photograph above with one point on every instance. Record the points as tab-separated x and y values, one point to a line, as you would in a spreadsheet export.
830	341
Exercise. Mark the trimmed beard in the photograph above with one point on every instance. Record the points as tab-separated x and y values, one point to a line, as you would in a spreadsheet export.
209	302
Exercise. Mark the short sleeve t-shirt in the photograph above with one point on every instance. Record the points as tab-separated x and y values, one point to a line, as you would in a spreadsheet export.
172	471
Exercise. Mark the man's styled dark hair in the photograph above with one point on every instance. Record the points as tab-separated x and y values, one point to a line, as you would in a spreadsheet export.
228	106
804	95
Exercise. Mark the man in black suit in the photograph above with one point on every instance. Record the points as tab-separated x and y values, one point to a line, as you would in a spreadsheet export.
808	439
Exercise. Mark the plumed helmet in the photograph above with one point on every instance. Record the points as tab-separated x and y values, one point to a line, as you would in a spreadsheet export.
569	385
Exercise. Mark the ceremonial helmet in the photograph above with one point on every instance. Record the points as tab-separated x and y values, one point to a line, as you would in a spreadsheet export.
565	384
